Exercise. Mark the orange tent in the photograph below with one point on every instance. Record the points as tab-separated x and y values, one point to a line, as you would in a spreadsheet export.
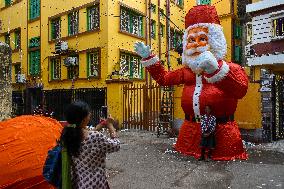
24	142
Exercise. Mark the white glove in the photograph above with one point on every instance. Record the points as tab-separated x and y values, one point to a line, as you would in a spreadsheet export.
142	50
207	62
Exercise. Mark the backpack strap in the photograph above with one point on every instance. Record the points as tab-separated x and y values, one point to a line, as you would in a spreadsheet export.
66	169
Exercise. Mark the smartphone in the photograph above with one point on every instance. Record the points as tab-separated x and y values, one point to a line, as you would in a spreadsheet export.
104	112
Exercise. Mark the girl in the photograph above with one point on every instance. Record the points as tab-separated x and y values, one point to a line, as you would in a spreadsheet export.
87	149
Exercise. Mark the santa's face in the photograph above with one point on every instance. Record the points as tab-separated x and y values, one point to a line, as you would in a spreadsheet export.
197	42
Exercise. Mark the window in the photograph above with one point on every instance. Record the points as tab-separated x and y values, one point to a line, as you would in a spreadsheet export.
238	54
238	31
17	69
7	39
249	32
179	3
130	66
34	62
8	2
56	28
153	29
278	27
34	9
73	71
93	64
204	2
162	30
153	8
34	42
55	64
73	23
18	39
131	22
176	38
93	18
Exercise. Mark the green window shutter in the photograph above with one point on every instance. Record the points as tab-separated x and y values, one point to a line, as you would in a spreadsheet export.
52	68
131	23
7	2
69	22
36	62
88	19
237	53
88	65
32	63
52	29
131	67
205	2
142	26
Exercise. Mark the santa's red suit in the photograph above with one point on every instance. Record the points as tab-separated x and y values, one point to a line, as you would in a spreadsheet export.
220	90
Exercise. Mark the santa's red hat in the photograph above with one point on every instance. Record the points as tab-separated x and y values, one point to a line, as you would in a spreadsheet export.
206	16
201	14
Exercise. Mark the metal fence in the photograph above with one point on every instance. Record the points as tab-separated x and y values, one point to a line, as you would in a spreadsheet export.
56	100
141	106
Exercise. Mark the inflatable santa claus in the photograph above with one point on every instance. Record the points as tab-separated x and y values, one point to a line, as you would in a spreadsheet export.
208	81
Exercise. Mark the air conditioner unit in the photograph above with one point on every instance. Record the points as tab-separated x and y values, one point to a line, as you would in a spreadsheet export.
20	78
71	61
61	46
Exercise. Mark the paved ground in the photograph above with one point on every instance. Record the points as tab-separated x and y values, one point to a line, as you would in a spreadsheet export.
148	162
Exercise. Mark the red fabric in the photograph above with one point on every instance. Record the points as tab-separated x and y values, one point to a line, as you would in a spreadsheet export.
221	96
201	14
229	144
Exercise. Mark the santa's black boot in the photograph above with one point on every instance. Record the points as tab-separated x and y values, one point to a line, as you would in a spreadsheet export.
202	157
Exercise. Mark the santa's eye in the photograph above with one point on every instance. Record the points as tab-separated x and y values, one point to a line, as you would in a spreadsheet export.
191	40
203	39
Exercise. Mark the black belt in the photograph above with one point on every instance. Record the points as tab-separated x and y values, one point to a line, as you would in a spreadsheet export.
224	119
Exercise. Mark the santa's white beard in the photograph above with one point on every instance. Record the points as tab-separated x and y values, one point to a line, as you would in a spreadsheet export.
189	59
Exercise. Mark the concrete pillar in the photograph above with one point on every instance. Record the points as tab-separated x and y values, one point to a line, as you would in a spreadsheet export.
5	81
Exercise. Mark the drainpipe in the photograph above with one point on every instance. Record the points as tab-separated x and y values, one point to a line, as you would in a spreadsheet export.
159	26
146	35
233	29
150	30
168	33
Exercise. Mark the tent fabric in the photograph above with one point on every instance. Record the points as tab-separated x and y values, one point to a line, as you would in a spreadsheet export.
24	143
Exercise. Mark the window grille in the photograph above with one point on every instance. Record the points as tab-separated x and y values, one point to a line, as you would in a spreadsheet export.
56	28
73	23
130	66
278	27
73	71
153	29
55	68
7	39
131	22
93	18
34	42
18	39
93	64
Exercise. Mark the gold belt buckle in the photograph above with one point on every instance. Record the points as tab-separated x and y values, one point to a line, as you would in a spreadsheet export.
197	119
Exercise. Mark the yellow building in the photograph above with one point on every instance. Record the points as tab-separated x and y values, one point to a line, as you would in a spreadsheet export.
96	38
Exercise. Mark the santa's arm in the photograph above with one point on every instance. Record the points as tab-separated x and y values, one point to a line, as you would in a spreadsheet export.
160	75
231	78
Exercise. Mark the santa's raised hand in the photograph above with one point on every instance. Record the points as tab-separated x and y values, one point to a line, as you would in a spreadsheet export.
142	50
207	62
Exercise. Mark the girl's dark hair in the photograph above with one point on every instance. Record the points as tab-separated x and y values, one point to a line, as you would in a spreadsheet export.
72	137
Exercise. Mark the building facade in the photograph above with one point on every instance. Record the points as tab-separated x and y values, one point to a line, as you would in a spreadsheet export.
84	49
264	52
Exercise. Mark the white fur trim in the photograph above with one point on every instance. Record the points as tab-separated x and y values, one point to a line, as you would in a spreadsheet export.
216	39
224	70
150	62
196	94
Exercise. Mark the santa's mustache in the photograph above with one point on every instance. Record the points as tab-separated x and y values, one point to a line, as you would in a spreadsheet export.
191	51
